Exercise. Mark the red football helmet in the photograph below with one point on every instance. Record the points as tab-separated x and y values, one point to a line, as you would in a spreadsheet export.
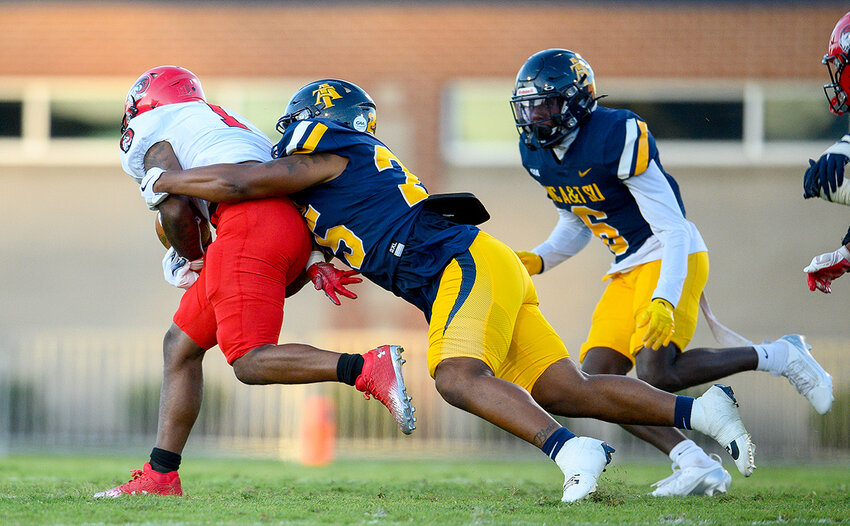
836	60
158	87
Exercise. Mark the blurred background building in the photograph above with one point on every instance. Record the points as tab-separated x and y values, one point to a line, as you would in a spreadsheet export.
731	90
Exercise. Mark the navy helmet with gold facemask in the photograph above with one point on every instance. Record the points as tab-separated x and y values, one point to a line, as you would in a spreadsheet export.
334	99
554	94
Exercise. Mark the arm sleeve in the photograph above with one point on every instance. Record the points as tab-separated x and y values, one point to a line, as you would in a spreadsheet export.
659	206
569	236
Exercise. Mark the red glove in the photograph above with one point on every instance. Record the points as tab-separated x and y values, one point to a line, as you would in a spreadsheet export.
827	267
331	280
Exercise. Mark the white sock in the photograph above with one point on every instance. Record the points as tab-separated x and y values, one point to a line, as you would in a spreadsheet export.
772	357
687	454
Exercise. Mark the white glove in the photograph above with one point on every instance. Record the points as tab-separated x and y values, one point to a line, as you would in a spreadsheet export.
179	271
827	267
153	199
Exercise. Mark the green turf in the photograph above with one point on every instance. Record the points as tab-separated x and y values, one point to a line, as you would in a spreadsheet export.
57	490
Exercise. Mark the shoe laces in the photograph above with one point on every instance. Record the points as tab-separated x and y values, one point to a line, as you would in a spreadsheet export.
136	473
797	374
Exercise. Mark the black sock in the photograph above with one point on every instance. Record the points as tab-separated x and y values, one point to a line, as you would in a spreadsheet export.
164	461
348	368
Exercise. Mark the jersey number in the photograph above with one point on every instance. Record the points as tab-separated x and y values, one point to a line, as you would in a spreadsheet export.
225	118
607	233
343	242
411	189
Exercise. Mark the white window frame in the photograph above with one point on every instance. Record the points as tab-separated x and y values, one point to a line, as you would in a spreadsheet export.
752	150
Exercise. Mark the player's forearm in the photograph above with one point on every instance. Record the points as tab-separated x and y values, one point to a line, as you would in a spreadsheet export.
234	182
217	183
181	227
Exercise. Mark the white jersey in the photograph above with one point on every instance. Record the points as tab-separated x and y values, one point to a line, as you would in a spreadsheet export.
201	134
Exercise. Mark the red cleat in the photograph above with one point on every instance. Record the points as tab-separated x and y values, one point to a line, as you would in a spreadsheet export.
381	378
146	481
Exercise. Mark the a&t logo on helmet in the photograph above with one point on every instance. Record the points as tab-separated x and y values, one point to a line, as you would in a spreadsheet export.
579	67
326	94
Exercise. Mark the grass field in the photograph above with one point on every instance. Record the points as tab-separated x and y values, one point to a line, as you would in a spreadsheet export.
58	489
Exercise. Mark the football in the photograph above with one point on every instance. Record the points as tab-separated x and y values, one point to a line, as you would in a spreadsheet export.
206	234
160	232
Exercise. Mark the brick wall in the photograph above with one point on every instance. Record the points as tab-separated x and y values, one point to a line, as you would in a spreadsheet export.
420	47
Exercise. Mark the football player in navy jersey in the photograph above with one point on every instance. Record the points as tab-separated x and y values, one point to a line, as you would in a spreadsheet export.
825	177
491	352
601	169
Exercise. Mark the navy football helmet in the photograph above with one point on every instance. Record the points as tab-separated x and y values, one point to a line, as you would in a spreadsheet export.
555	93
334	99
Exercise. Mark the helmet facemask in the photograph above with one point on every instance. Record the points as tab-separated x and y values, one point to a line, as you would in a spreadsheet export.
836	92
547	118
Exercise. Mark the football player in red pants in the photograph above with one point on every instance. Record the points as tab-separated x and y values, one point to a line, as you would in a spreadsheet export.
235	286
825	177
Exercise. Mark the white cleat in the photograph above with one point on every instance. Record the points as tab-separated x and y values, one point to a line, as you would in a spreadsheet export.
706	480
806	374
582	459
716	414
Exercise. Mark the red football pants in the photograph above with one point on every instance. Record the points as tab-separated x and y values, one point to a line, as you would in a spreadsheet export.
260	247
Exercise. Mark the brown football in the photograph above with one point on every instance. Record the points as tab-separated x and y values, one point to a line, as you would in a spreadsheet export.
160	232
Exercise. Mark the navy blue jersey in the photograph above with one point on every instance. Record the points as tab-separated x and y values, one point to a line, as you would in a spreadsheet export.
610	147
371	216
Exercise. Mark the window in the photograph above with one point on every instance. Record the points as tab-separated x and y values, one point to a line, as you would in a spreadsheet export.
690	120
10	118
702	122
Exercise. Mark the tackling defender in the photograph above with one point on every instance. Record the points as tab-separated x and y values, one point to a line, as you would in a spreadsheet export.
601	170
825	177
235	287
491	352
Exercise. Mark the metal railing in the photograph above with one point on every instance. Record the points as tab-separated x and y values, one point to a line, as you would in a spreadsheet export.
101	389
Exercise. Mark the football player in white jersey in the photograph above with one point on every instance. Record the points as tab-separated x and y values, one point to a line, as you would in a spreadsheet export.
235	286
825	177
601	169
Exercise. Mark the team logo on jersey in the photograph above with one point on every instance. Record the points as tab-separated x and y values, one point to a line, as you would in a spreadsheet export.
844	40
583	173
127	140
326	94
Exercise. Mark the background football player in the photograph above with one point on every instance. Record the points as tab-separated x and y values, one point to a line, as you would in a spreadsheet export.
825	177
601	170
491	352
235	287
